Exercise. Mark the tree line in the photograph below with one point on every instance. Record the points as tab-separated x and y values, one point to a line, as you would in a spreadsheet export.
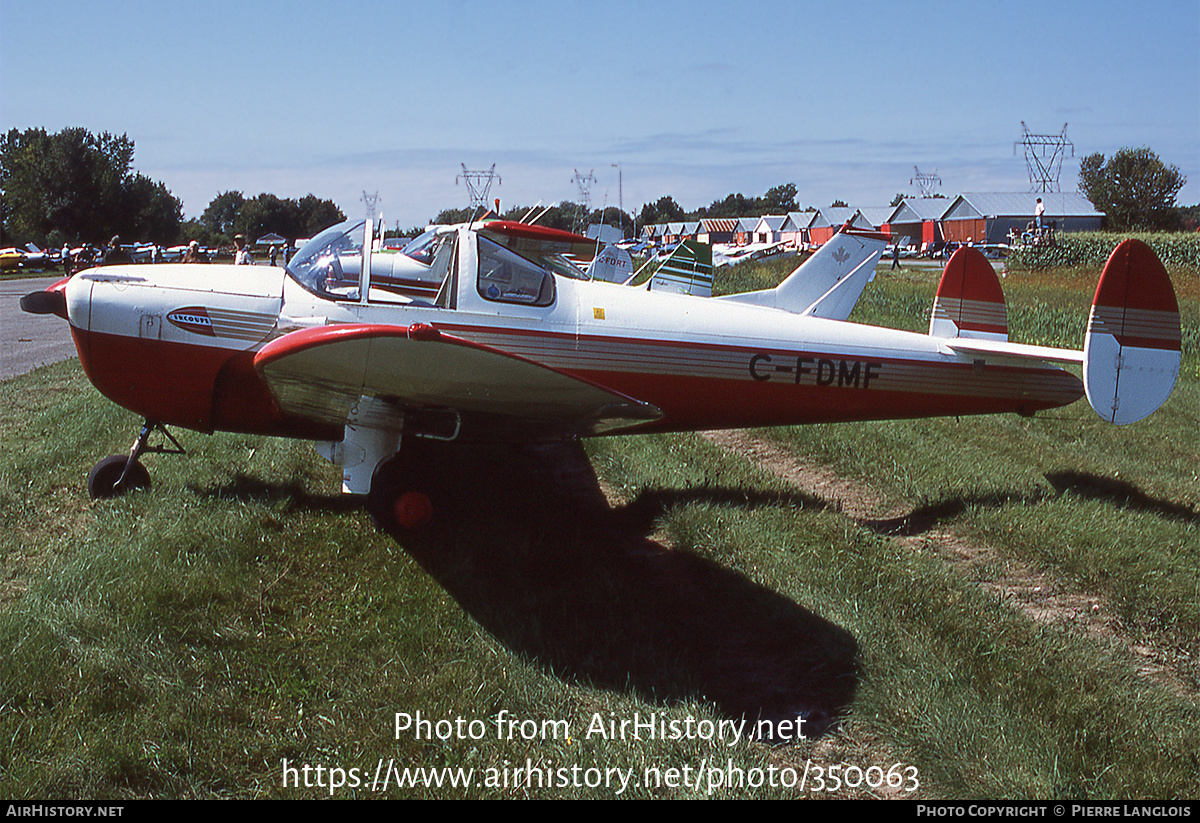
571	216
230	213
74	186
779	199
77	187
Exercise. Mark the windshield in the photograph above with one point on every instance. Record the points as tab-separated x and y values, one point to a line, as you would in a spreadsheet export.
329	264
423	247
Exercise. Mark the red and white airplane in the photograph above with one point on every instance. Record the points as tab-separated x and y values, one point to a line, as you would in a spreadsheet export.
510	346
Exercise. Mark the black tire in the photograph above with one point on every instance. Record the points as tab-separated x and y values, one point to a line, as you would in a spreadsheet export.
414	476
102	481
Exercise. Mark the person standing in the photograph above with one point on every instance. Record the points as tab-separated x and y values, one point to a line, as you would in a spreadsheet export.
193	254
242	256
1038	211
115	254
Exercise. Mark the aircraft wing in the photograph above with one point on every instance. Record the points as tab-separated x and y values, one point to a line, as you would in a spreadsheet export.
322	373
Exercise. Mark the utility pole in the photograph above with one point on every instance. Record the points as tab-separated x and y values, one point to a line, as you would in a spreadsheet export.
927	183
620	197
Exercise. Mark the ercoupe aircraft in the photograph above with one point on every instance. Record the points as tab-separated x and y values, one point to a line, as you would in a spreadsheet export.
510	347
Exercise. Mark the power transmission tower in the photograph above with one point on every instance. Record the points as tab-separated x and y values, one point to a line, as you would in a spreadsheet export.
927	183
479	183
1044	154
584	181
371	200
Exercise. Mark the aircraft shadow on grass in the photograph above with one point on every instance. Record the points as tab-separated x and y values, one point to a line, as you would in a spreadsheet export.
534	552
293	494
1120	493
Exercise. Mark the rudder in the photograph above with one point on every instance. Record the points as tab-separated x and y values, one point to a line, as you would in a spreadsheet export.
1133	346
969	301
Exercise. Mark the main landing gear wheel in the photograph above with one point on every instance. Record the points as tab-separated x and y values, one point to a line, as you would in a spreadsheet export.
406	494
104	482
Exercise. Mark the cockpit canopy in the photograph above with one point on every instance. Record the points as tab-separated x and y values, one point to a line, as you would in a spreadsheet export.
329	266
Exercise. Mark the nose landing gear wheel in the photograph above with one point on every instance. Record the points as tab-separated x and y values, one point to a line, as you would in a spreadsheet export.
104	481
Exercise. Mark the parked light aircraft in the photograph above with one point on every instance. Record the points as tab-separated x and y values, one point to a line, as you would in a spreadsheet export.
511	347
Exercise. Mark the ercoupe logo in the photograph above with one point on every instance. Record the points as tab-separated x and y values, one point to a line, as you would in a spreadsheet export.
193	319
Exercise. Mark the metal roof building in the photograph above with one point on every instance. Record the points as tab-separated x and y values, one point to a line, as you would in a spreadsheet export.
828	220
989	217
918	219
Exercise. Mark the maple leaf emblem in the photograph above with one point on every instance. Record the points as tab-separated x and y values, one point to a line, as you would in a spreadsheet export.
841	255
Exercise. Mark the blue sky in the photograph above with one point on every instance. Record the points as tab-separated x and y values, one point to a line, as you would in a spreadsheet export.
695	99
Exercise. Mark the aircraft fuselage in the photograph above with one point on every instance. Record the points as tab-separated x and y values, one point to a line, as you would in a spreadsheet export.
175	343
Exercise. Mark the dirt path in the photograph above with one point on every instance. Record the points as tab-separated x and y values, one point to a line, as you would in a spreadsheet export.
1039	596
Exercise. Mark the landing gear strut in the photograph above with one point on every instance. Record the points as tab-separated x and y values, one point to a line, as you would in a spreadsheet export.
115	475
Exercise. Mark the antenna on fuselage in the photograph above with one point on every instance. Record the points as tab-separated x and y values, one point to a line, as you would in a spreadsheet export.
535	205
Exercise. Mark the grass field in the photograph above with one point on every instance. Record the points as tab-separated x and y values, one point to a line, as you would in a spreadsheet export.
984	607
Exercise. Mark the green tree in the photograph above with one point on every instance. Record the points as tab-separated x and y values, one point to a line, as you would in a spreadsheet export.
316	214
663	210
1134	189
448	217
268	214
734	205
780	199
81	187
222	216
151	212
231	213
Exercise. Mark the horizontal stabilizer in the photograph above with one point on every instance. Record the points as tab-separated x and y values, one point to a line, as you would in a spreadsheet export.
969	301
1133	345
1020	350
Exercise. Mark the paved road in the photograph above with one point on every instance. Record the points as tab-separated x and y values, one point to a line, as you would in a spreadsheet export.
29	340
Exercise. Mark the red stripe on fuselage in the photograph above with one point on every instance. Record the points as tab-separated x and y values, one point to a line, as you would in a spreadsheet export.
206	388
